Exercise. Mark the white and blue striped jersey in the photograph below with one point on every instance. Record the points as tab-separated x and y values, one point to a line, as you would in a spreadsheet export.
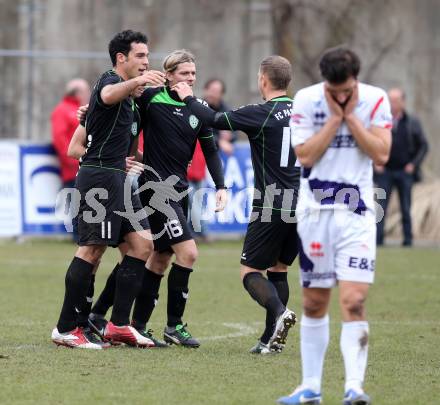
343	177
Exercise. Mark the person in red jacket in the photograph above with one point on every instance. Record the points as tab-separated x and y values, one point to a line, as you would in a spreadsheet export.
64	122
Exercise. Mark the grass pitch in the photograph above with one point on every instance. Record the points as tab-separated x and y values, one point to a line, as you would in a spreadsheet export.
404	314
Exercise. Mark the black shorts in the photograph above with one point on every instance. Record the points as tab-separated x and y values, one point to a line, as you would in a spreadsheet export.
98	221
266	243
169	225
134	223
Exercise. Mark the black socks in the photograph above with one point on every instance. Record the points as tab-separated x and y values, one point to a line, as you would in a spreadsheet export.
279	280
177	293
146	299
77	283
86	305
265	293
105	300
128	284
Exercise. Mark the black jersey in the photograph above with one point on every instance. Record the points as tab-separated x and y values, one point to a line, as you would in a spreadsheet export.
273	158
170	135
108	127
136	127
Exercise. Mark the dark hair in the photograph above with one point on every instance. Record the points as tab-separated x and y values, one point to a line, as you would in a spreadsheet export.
338	64
278	70
213	80
121	43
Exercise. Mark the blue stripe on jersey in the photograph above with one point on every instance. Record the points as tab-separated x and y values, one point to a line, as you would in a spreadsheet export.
305	263
341	193
305	172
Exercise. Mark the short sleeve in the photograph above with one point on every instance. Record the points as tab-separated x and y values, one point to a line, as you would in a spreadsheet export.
146	97
301	121
106	80
381	113
244	118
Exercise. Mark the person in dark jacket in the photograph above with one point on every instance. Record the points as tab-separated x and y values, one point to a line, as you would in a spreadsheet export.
409	148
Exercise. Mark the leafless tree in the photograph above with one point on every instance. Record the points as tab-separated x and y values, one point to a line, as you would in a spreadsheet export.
294	36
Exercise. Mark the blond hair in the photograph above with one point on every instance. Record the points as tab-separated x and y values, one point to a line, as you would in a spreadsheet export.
177	57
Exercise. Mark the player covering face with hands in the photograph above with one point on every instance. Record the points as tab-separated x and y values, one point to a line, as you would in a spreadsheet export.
339	128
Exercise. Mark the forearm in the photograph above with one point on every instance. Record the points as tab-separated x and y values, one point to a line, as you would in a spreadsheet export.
76	151
139	156
376	147
422	148
77	145
210	117
215	167
311	151
115	93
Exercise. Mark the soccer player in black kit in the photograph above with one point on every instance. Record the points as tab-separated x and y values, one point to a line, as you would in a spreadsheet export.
170	135
93	319
271	238
100	182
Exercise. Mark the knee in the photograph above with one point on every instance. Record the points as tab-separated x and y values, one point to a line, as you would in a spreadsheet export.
314	307
354	305
158	262
91	254
159	266
188	257
141	249
145	249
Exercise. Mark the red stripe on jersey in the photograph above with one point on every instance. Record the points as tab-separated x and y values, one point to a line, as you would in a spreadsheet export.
376	107
388	126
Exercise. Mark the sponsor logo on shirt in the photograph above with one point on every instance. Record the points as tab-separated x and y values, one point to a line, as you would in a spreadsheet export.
319	118
177	111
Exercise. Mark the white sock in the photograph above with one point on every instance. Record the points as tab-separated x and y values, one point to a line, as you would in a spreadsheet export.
314	342
354	348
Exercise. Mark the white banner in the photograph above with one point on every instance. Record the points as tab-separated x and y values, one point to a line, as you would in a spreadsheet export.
10	192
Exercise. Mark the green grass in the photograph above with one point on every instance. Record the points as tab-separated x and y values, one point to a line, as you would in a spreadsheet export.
404	314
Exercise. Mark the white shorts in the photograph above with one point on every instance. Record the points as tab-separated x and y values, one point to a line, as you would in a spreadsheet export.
336	245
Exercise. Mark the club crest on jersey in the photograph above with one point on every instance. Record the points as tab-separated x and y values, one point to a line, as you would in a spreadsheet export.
134	128
193	121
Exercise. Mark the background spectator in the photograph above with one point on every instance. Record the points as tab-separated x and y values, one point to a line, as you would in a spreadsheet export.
409	148
63	124
213	93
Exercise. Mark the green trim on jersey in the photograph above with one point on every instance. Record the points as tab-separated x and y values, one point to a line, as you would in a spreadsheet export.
262	132
281	98
105	74
164	98
109	135
103	167
229	122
